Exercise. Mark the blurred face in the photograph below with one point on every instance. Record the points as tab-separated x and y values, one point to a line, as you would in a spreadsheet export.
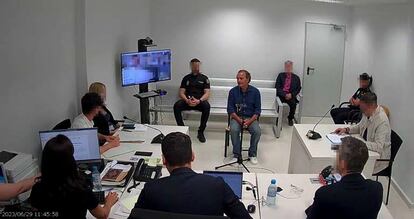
242	80
195	67
97	110
103	95
289	67
340	165
367	109
363	83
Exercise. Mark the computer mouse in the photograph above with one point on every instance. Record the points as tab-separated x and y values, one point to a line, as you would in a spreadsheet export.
251	208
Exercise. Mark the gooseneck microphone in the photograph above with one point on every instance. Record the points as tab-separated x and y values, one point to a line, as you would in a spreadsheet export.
315	135
157	139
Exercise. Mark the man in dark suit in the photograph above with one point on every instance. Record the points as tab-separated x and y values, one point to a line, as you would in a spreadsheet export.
288	87
352	197
185	191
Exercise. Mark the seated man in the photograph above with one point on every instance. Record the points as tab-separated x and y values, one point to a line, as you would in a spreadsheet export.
244	108
288	87
194	93
353	196
185	191
340	115
91	106
374	129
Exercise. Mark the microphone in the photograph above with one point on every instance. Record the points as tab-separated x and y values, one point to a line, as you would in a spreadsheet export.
251	188
157	139
315	135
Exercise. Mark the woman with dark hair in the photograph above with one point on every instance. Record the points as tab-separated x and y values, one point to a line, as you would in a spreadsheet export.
62	190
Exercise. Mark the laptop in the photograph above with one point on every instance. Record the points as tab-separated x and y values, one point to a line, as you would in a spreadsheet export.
233	179
85	142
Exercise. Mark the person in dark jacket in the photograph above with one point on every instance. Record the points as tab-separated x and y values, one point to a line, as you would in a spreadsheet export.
105	122
288	87
194	93
340	115
185	191
353	196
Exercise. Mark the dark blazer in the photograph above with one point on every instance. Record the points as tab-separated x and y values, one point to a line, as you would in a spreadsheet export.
353	197
295	86
187	192
102	122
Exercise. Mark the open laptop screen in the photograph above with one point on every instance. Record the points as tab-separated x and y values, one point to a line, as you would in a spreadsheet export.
85	142
233	179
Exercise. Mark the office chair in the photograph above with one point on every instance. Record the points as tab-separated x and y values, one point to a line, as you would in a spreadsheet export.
65	124
138	213
396	143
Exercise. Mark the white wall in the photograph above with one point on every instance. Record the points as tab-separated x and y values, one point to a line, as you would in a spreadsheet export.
382	45
113	27
230	35
38	86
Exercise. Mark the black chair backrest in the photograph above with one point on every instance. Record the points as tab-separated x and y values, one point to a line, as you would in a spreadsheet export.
396	143
65	124
138	213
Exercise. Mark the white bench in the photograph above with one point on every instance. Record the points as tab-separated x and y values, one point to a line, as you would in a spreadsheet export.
272	107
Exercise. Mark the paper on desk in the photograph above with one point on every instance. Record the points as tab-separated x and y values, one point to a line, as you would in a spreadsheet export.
128	204
120	150
140	128
335	139
131	136
152	161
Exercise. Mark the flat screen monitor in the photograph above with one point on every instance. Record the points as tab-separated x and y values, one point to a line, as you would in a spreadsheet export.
145	67
233	179
85	142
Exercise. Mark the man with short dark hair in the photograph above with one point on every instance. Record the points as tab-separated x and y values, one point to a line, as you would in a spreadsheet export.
288	87
91	106
353	196
244	108
185	191
194	93
374	129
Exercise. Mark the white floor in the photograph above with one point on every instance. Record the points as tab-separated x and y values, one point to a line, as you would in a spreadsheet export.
273	153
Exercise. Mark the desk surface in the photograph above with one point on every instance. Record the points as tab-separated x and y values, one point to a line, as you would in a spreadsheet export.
320	148
126	150
294	208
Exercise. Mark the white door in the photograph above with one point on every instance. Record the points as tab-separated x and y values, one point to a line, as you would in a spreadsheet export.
324	63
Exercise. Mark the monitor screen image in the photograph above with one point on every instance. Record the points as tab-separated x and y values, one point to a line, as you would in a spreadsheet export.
85	142
145	67
233	179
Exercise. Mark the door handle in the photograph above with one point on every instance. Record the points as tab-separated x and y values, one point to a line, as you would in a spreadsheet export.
309	69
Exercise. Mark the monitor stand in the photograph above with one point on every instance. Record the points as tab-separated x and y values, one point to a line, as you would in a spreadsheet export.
144	105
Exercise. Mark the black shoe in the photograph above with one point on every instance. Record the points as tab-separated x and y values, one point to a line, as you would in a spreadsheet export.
201	137
290	122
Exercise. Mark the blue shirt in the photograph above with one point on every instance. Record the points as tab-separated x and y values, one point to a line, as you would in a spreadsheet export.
244	104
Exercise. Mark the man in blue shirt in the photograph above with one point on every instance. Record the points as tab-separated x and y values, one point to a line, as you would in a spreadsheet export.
244	108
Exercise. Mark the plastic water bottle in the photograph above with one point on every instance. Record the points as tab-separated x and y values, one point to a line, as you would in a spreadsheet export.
271	193
96	179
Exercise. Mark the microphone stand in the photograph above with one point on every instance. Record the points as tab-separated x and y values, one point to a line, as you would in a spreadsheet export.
315	135
240	159
157	139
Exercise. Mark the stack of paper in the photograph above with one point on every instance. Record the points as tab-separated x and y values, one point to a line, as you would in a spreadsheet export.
335	139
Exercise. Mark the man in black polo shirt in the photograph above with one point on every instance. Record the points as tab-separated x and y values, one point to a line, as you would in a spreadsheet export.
194	93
